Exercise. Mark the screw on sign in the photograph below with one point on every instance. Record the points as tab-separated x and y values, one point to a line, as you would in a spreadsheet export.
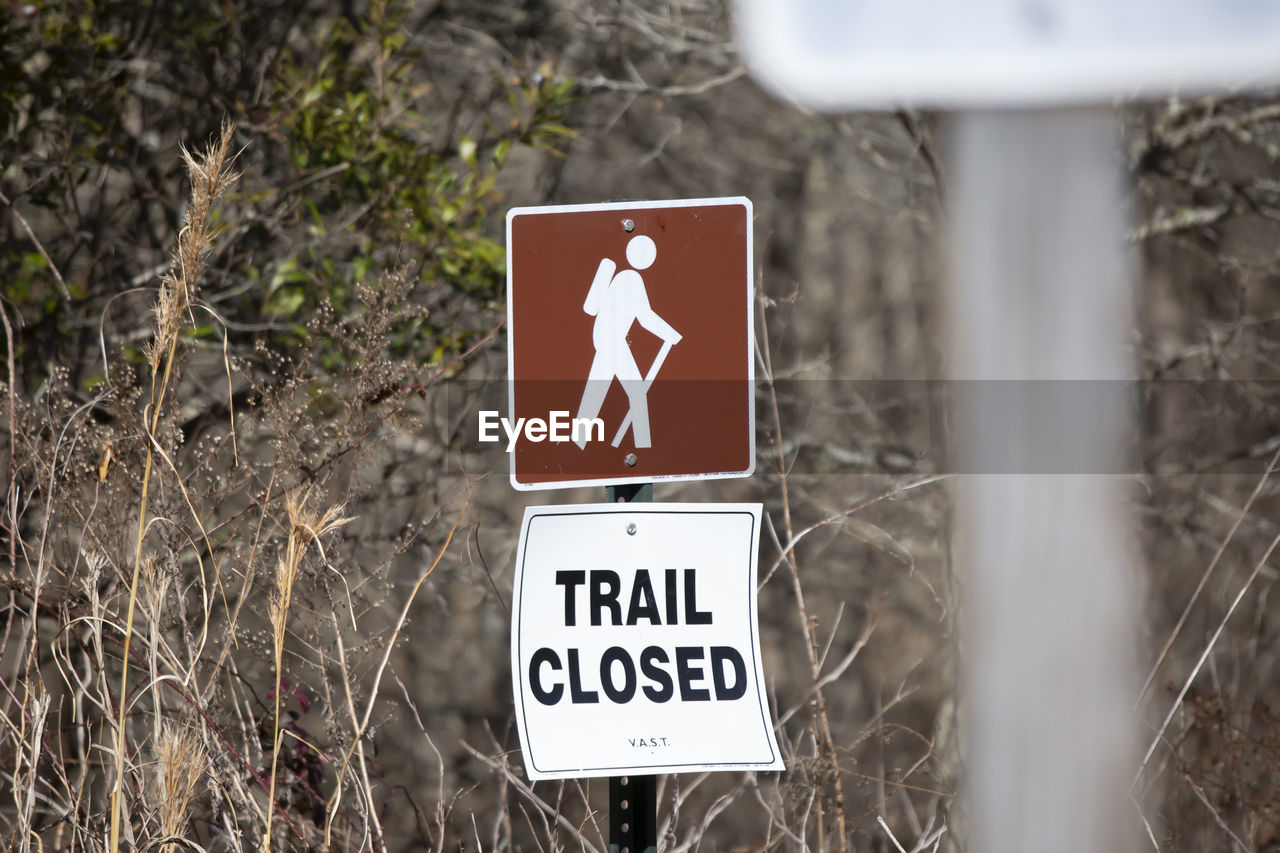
629	326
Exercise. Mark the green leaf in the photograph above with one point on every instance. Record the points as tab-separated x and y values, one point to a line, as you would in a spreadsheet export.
467	150
315	92
500	151
360	267
286	302
287	272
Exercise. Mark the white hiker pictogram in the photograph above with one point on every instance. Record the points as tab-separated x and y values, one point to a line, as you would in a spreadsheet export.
618	301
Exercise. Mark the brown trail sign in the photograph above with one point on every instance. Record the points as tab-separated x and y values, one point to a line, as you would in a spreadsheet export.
629	342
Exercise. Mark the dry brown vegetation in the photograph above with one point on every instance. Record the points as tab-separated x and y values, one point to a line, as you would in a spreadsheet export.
256	568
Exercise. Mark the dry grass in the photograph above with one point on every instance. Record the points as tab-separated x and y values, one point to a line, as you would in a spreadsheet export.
181	764
158	702
210	176
306	526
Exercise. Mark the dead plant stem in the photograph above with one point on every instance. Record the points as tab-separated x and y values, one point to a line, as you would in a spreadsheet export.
209	178
336	797
1204	655
1204	580
820	718
22	220
117	791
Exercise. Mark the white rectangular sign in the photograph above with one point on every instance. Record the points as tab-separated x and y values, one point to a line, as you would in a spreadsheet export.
634	641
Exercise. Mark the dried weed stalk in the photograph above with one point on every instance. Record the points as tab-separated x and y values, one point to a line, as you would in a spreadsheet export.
306	525
181	762
210	176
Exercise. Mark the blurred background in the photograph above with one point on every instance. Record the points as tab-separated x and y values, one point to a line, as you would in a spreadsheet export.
344	327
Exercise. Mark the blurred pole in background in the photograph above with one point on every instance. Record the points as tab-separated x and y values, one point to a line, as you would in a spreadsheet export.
1040	313
1039	318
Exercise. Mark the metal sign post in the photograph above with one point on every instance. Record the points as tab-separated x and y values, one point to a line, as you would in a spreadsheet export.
633	800
633	814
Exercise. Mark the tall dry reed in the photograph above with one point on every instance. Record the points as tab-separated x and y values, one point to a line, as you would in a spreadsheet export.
210	174
306	525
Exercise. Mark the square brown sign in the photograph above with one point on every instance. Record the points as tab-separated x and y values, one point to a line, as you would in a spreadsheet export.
629	342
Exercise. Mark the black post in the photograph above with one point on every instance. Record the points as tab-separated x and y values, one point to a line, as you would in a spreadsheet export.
631	493
633	800
633	814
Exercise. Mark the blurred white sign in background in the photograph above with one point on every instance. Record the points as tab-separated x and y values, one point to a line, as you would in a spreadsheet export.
860	54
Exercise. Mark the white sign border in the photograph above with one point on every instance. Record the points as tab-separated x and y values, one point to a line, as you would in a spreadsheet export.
755	510
750	354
